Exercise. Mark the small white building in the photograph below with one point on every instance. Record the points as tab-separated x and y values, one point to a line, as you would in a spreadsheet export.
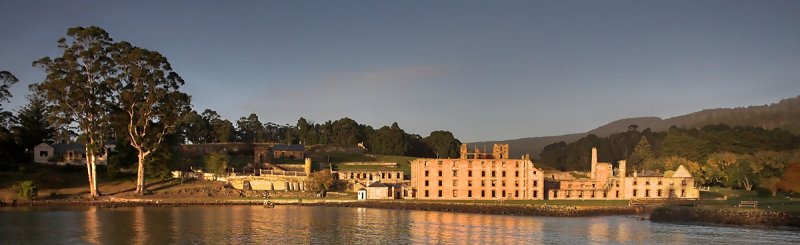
362	194
67	153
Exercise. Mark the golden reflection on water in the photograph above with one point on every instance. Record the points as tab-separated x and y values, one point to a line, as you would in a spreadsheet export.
91	224
598	231
459	228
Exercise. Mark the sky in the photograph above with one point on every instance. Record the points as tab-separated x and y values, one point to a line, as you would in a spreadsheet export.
484	70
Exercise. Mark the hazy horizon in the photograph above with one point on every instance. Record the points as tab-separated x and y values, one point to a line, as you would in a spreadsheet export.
482	70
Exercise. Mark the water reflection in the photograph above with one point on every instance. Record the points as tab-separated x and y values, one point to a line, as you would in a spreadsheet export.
321	225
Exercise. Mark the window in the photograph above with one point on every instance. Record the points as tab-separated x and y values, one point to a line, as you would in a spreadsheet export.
426	183
469	193
483	193
440	183
536	194
397	175
617	194
43	153
658	193
469	182
567	194
469	173
503	164
383	175
635	192
503	174
516	193
493	183
440	173
646	193
483	183
455	173
683	193
503	183
605	194
493	173
440	193
635	182
493	194
647	182
592	194
455	193
503	193
426	173
555	194
534	172
593	185
426	193
483	173
683	182
516	173
659	182
535	183
455	182
516	183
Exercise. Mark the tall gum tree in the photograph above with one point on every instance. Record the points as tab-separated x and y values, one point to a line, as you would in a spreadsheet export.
77	89
148	94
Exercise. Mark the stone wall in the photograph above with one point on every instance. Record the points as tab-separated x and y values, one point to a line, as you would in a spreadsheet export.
269	182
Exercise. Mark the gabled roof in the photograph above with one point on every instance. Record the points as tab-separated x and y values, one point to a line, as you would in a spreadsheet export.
72	146
681	172
377	184
288	148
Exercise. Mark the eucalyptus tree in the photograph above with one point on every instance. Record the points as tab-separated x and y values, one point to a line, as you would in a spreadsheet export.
148	94
77	89
6	80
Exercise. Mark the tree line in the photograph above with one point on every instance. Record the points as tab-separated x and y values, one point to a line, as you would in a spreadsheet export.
738	157
209	127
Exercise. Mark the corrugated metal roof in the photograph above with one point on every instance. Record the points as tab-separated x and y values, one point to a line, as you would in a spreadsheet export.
288	148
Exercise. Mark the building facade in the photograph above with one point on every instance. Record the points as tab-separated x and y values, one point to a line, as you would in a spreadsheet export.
67	153
606	184
477	176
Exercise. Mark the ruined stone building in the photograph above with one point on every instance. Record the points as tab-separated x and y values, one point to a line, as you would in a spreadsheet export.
357	179
477	176
603	183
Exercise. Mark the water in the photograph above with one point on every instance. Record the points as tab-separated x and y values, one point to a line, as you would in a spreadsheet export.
325	225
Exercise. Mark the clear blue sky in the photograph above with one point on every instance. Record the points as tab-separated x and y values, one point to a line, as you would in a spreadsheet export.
485	70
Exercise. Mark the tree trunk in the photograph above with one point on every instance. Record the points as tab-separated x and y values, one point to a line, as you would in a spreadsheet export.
747	185
140	175
90	173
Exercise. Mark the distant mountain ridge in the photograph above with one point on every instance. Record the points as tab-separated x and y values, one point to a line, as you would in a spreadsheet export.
784	114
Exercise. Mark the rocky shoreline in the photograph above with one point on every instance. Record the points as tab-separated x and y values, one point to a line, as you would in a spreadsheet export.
480	208
490	208
727	216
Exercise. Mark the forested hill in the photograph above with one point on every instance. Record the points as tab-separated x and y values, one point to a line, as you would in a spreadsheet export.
784	114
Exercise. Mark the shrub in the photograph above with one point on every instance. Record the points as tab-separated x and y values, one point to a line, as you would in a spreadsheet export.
28	190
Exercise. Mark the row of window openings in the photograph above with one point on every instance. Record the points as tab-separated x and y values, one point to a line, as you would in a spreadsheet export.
469	164
483	183
365	175
635	182
483	193
659	193
483	173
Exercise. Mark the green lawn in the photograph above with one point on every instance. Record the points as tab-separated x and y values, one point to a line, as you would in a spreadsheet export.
781	202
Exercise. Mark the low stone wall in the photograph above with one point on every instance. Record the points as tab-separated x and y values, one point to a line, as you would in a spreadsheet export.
387	164
269	182
489	208
727	216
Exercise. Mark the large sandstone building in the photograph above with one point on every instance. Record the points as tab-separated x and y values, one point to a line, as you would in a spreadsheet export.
605	183
477	176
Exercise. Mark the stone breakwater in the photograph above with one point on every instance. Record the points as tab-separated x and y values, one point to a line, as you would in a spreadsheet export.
488	208
728	216
481	208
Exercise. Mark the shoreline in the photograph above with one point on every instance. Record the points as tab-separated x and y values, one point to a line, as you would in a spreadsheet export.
727	216
454	207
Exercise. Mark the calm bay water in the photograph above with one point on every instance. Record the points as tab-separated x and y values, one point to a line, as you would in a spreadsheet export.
325	225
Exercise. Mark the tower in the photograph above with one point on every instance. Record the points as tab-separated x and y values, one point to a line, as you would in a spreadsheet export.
594	163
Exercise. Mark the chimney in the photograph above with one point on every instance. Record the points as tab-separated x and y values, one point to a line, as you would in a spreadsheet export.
594	162
621	170
308	166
